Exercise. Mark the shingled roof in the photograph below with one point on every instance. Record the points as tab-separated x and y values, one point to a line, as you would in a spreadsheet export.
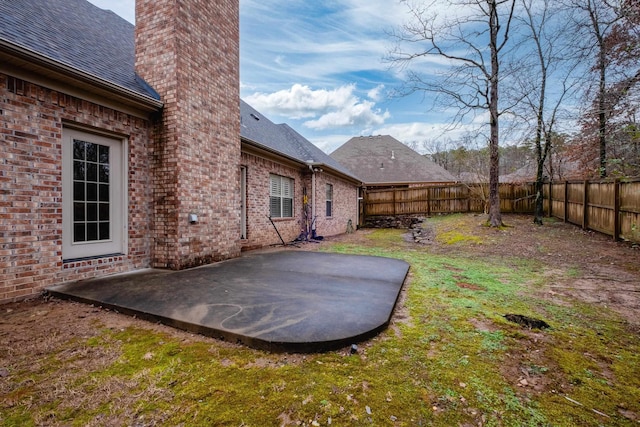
383	160
97	46
261	132
74	34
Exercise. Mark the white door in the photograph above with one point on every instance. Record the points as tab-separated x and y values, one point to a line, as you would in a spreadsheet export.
93	195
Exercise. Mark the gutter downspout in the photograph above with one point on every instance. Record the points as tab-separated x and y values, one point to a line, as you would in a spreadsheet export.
313	196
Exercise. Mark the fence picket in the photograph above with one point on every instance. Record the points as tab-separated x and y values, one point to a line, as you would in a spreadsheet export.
609	206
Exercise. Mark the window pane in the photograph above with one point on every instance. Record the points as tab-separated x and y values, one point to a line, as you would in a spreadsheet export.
78	232
92	211
276	211
92	172
103	153
78	191
104	230
92	231
329	210
104	173
287	187
103	212
92	192
104	193
78	212
78	149
287	208
92	152
78	170
276	187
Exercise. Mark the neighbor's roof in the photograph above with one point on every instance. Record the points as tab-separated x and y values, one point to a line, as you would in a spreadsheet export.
75	34
281	139
383	159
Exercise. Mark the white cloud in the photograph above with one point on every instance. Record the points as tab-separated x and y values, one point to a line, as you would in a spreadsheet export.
375	93
327	108
359	114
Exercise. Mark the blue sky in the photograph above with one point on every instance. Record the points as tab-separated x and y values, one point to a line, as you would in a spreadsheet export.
318	66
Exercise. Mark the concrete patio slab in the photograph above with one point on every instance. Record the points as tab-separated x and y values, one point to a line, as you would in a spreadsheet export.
293	301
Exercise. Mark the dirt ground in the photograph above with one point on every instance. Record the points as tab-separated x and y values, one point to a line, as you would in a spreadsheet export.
607	273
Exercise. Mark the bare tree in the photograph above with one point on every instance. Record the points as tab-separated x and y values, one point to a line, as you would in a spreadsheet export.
542	57
594	20
469	37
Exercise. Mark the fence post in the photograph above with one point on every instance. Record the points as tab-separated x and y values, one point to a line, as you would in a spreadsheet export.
616	209
428	202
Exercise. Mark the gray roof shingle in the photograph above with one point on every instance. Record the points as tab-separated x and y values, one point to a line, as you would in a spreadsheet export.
383	159
77	34
281	138
86	38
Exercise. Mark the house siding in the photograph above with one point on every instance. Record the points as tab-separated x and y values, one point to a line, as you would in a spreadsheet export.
32	121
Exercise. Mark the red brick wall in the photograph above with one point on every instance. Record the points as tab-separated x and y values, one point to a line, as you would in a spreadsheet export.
31	122
188	51
261	233
345	205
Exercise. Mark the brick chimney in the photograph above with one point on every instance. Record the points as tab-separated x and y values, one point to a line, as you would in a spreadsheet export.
188	51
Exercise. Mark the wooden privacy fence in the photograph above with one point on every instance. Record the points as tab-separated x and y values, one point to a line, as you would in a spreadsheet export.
611	207
453	198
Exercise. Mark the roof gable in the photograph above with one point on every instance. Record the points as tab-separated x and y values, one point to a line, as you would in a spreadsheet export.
281	138
77	34
383	159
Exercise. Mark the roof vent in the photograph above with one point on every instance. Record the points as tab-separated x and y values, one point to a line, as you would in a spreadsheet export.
255	117
393	155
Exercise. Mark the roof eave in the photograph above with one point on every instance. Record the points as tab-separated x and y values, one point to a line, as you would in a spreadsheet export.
263	148
20	56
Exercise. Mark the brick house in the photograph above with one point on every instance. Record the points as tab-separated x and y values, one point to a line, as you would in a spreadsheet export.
122	147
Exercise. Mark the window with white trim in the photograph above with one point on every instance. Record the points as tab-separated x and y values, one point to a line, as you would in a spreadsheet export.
93	195
281	196
329	200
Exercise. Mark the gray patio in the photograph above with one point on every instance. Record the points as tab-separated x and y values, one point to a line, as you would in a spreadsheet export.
293	301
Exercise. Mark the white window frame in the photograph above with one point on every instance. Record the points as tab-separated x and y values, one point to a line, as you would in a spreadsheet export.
329	200
281	190
117	242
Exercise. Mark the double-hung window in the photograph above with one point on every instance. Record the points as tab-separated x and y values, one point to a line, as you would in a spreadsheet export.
329	200
281	196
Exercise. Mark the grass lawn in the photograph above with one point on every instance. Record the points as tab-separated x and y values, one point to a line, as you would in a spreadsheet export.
449	357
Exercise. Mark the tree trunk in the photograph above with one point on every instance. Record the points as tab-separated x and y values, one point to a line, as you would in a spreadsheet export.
495	216
602	118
